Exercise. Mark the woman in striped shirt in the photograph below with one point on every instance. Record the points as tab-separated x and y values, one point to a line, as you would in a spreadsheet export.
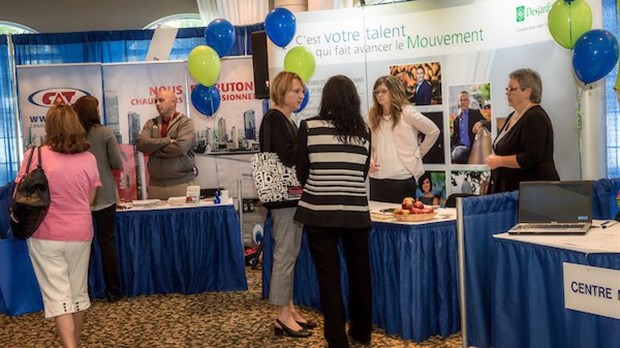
333	157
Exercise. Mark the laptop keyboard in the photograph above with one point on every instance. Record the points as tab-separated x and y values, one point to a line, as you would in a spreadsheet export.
551	226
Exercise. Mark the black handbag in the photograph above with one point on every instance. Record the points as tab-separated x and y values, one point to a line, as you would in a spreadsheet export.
30	201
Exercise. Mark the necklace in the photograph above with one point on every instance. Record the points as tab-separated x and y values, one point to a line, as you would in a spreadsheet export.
517	116
386	117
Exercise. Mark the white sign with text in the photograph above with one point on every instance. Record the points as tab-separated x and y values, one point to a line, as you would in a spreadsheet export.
592	290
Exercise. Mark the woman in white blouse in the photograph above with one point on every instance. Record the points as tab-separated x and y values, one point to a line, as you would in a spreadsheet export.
396	162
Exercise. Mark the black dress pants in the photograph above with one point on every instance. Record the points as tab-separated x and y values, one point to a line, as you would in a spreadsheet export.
391	190
104	225
324	247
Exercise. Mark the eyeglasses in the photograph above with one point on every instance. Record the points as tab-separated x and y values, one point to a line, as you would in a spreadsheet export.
381	91
512	89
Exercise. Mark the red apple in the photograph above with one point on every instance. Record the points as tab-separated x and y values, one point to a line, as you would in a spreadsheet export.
407	203
418	204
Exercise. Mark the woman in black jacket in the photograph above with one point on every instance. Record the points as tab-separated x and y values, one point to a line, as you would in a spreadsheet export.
278	133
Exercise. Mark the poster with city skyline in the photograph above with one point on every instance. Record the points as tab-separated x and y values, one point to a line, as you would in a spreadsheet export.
234	125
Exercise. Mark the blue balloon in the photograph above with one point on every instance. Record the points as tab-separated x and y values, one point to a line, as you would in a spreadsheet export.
220	35
280	26
206	99
595	54
305	101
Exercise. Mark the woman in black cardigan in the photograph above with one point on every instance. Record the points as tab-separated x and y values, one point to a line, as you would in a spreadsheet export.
286	93
523	149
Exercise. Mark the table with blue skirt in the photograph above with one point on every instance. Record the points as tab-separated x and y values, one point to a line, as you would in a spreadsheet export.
528	307
184	250
414	277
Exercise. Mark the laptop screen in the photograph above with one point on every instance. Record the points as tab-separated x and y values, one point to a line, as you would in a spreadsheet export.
555	201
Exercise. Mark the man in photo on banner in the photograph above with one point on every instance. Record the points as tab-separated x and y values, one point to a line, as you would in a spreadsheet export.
423	88
466	125
168	140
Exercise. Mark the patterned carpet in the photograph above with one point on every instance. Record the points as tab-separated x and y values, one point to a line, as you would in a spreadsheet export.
226	319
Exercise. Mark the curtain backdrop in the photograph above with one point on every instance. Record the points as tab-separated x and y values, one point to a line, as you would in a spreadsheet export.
237	12
8	136
610	23
84	47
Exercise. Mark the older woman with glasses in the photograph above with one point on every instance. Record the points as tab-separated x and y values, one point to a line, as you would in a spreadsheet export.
396	163
523	149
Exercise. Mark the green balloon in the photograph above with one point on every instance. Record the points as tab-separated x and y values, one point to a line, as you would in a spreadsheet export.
300	60
568	21
204	65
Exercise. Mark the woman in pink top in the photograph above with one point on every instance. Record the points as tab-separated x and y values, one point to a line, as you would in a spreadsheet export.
60	248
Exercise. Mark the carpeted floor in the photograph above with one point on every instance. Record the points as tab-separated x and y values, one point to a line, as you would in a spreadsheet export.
226	319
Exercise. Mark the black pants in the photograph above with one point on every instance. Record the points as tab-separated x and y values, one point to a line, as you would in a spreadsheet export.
324	247
104	225
391	190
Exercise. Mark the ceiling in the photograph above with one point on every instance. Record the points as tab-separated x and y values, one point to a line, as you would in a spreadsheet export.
58	16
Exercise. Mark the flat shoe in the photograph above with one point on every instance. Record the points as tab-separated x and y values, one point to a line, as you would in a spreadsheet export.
284	330
308	325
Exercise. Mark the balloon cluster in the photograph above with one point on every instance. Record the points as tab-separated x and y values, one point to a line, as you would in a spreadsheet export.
280	28
204	65
595	52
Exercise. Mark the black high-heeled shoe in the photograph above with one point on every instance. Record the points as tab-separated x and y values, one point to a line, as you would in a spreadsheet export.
284	330
308	325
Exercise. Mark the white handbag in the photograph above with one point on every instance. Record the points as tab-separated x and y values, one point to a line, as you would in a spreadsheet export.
274	181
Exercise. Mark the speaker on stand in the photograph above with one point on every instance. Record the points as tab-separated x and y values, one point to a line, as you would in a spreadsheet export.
260	64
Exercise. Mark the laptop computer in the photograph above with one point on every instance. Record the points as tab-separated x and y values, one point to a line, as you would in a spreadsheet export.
554	207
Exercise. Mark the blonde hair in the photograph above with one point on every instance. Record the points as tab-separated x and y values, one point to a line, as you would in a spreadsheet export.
281	84
398	100
65	134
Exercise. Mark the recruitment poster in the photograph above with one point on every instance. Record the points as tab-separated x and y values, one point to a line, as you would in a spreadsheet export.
452	46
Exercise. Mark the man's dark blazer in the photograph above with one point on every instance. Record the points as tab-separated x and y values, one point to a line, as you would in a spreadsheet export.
424	94
474	116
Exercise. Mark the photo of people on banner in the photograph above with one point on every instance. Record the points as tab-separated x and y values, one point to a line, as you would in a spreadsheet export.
470	123
422	82
473	182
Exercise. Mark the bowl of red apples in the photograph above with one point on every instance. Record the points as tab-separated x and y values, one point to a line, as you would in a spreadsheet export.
413	211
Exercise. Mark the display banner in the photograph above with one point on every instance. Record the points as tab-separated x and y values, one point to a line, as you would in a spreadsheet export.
130	90
41	86
225	140
455	46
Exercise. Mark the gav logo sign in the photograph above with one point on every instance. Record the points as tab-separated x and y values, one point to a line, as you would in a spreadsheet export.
51	96
525	11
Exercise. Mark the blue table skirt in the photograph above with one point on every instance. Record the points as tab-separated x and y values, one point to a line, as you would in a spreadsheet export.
528	301
414	278
184	250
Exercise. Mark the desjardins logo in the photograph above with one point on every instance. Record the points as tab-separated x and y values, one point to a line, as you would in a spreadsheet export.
520	13
523	12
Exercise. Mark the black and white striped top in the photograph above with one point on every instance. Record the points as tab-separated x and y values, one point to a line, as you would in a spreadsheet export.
333	174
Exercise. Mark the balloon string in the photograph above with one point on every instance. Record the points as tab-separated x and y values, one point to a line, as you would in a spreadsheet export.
579	125
570	24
